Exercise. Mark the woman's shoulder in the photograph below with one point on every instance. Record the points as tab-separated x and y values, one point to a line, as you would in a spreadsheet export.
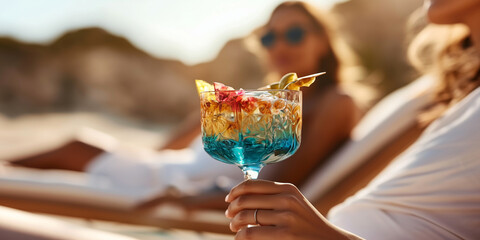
337	104
338	100
336	95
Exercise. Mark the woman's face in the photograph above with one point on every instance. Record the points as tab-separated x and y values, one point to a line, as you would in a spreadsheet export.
451	11
292	42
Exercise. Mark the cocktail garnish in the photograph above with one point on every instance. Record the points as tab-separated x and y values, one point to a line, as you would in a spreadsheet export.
304	82
291	82
287	79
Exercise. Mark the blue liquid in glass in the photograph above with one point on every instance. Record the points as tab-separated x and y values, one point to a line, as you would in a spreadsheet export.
250	151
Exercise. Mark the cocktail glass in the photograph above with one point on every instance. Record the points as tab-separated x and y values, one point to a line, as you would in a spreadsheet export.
251	128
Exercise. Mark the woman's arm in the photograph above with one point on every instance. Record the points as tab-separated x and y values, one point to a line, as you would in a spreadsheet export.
283	213
326	126
74	155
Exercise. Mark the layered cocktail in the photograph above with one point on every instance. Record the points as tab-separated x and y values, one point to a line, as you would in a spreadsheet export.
252	128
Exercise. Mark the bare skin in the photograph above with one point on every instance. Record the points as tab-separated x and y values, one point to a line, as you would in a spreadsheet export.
284	213
74	155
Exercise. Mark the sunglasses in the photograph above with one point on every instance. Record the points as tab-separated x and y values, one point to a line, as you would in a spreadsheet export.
293	36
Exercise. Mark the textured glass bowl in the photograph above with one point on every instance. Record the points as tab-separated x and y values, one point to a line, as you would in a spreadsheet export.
251	128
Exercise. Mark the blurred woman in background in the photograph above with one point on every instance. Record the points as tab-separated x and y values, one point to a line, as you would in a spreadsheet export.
430	191
298	39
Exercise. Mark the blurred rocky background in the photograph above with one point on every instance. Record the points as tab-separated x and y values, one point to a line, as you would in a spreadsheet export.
378	32
95	71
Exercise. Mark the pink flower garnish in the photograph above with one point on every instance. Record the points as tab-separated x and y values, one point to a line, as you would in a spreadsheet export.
220	86
228	95
223	92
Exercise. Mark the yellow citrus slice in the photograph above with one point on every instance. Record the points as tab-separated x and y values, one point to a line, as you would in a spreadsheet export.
203	86
286	79
291	82
304	82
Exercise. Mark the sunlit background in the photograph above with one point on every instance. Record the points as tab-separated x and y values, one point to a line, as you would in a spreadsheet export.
188	30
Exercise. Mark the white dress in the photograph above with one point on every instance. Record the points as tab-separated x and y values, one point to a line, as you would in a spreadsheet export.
431	191
190	171
387	120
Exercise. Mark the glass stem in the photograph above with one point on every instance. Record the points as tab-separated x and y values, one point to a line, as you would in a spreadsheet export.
251	172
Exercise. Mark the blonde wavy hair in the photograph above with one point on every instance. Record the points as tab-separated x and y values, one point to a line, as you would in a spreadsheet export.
447	53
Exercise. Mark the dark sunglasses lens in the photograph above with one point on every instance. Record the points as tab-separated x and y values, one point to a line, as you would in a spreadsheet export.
268	39
295	35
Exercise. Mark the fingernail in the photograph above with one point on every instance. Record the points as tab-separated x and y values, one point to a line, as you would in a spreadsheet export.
226	213
226	197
